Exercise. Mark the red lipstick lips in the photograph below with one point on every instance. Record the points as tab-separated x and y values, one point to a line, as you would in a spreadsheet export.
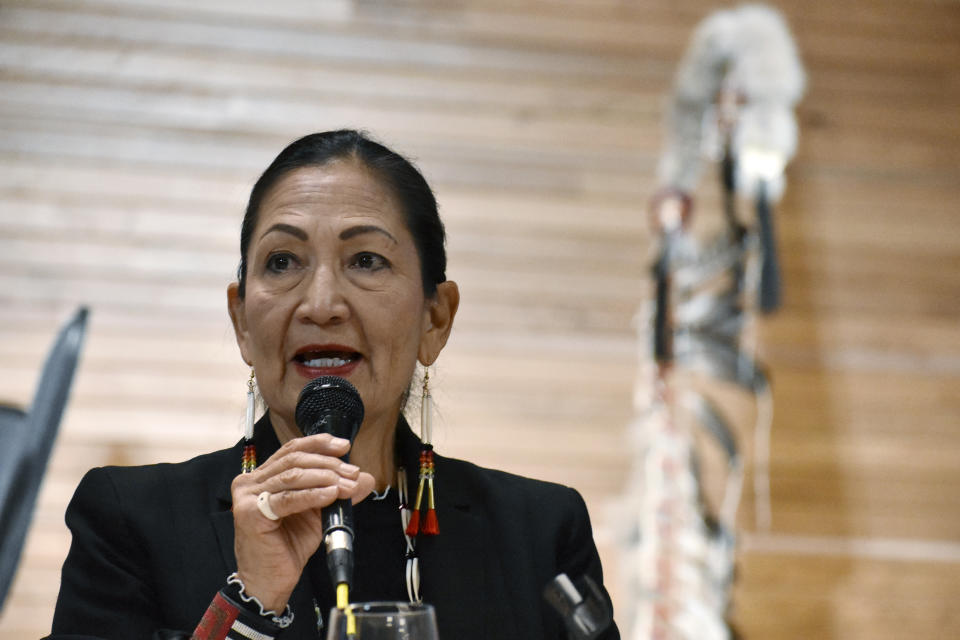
315	360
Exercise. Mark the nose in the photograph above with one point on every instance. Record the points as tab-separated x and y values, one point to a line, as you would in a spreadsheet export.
324	300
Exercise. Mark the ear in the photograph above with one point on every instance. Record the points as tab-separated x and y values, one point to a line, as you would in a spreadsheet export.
235	306
438	321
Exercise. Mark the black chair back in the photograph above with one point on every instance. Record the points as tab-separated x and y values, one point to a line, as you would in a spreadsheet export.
26	439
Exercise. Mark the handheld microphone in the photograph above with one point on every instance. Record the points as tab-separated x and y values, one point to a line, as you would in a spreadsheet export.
330	404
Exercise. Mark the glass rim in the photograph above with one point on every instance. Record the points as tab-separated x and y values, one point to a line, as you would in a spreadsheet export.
382	607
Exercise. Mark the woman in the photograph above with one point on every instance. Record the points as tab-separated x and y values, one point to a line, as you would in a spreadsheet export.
342	272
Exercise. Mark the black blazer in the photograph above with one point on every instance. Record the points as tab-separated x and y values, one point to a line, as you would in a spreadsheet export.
153	544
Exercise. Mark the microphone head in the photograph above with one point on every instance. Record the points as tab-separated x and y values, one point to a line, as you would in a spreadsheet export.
329	404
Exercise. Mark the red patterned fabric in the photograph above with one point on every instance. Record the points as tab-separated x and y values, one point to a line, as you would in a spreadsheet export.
216	621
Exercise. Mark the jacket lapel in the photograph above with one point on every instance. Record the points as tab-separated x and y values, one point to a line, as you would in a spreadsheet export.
454	565
453	576
222	515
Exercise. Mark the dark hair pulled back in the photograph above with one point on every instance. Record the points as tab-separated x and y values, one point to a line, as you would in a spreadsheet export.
419	206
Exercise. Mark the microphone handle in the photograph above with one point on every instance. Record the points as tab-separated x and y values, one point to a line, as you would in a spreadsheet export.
338	539
338	517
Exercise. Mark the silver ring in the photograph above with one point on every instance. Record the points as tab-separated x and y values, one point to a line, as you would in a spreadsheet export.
263	503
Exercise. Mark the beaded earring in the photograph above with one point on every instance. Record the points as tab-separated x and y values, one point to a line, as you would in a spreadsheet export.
249	462
429	526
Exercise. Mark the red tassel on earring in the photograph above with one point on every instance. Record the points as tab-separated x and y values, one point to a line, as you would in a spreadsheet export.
430	525
413	528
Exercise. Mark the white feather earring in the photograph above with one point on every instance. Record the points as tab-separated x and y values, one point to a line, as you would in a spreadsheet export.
249	450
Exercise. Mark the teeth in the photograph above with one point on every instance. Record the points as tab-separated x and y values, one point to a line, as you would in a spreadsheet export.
325	363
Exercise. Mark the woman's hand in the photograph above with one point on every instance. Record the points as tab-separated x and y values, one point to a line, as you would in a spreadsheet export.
303	476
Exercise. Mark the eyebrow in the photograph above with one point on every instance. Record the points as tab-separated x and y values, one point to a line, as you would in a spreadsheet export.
287	228
346	234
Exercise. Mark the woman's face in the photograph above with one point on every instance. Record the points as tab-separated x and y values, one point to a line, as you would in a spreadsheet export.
334	288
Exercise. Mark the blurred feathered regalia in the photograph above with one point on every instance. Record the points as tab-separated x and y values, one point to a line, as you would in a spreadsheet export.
732	105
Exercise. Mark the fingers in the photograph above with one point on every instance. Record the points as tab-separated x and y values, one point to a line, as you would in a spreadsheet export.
306	478
304	475
288	501
365	484
322	451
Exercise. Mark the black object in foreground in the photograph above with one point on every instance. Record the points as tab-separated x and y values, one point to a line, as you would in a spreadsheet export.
330	404
583	607
26	440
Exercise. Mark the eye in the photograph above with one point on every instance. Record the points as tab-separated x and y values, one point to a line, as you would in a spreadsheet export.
367	261
280	262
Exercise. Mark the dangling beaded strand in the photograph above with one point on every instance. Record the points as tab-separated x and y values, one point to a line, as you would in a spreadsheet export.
412	573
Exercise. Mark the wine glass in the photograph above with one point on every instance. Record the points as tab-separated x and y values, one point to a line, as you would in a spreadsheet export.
384	621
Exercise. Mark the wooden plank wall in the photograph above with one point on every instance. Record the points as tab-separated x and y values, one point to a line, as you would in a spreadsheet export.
131	131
